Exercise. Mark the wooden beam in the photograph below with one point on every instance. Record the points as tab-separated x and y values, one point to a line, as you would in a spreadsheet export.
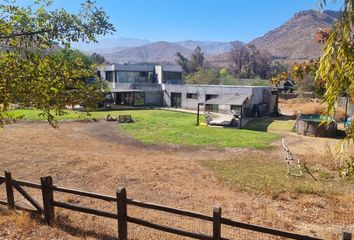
2	180
29	198
84	193
270	231
217	223
347	236
169	229
122	214
85	210
169	210
48	199
9	190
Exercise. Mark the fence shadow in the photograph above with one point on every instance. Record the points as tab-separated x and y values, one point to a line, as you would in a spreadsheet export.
79	232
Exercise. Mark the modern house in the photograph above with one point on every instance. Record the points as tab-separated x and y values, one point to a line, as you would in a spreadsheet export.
162	86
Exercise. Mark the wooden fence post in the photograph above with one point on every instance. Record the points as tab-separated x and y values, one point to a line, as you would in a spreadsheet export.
48	198
347	236
217	223
9	190
122	214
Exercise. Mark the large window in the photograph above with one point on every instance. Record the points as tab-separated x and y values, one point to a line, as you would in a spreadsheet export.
210	96
192	95
211	108
235	108
171	76
134	77
109	76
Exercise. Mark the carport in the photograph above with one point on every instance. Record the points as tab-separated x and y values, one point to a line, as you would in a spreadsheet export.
227	105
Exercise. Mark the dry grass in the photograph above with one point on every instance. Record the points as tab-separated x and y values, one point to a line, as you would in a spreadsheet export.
306	106
22	225
96	157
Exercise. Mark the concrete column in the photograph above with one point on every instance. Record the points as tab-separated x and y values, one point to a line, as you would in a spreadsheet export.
114	79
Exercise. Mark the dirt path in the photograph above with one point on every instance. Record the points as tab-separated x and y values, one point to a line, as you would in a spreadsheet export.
97	157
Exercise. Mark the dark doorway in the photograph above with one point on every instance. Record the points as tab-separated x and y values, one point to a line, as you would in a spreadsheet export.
176	100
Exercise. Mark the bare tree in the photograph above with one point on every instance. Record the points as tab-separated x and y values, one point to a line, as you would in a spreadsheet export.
248	61
192	65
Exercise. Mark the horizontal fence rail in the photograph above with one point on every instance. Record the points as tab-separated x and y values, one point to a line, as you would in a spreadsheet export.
169	210
266	230
49	203
84	194
168	229
85	210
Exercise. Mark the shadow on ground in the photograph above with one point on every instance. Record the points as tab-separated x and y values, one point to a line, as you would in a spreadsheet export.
263	124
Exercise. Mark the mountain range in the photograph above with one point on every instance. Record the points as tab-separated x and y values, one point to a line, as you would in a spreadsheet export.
292	41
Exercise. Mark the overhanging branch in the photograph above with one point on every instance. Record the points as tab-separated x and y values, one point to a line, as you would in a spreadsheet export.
26	34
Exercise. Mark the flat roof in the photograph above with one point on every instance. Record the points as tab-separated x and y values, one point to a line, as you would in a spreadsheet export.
134	68
228	99
224	86
124	90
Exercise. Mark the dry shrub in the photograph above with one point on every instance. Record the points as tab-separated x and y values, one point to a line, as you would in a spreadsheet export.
299	106
21	221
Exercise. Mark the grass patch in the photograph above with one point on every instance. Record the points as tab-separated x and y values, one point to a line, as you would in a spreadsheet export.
159	126
270	178
179	128
267	124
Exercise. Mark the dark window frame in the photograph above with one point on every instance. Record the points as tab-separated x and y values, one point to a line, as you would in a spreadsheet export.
192	96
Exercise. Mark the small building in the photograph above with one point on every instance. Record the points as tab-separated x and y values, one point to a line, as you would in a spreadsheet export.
287	86
255	101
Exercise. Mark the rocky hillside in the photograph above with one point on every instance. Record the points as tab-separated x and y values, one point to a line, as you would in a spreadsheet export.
159	52
164	52
292	41
295	40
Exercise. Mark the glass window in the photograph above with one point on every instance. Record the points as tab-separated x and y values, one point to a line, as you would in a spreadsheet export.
192	95
210	96
172	76
235	108
109	76
212	108
134	77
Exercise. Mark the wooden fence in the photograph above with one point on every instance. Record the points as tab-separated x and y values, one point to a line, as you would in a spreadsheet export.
49	204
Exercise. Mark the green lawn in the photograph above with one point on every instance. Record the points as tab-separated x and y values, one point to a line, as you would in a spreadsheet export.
159	126
270	177
269	124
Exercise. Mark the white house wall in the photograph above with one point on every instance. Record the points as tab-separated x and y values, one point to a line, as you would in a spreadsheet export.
255	93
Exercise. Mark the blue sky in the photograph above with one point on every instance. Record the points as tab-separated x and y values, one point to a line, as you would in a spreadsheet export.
220	20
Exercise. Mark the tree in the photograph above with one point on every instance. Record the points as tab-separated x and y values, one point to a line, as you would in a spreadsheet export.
208	76
192	65
183	62
336	68
33	73
276	68
98	59
197	60
304	76
248	61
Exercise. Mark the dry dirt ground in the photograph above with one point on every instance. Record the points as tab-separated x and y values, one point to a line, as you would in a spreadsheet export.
97	157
